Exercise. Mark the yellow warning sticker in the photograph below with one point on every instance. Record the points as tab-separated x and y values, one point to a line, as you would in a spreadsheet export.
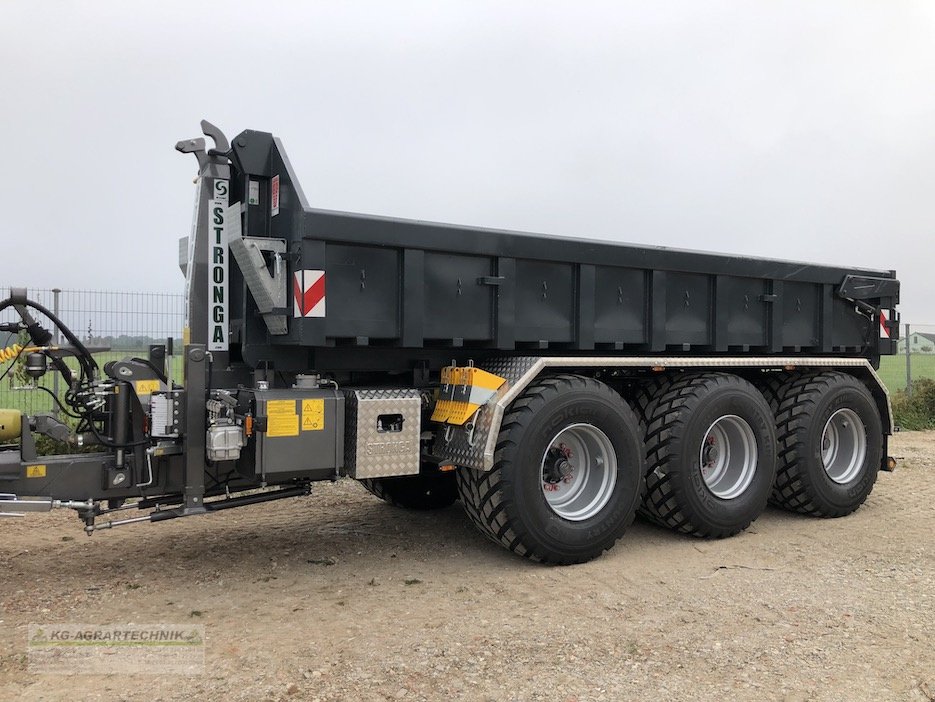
146	387
313	414
282	425
280	407
281	419
35	471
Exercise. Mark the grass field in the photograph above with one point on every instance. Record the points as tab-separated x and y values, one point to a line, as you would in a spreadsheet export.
893	369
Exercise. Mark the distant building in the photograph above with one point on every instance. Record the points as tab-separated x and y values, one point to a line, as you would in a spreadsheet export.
918	343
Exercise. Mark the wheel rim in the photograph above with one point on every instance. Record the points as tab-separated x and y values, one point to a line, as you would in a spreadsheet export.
578	472
728	457
843	446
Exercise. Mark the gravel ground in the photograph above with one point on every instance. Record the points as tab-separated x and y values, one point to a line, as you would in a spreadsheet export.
341	597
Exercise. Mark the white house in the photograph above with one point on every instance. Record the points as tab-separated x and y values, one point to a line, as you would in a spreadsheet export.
918	343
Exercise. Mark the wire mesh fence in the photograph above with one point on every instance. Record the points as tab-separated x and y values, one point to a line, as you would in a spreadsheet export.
914	361
111	324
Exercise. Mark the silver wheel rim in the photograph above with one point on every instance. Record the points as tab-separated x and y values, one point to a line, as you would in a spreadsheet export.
728	457
843	446
578	472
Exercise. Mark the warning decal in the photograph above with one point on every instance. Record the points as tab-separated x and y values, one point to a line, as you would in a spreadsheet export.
274	196
146	387
308	293
885	316
313	415
281	419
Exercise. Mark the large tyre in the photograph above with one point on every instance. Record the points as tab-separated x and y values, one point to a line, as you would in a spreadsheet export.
711	453
568	473
773	384
830	444
431	489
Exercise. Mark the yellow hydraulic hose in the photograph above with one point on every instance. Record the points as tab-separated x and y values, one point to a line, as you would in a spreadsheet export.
10	352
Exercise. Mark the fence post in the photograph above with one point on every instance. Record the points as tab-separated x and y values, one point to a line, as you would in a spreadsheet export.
169	351
908	366
55	341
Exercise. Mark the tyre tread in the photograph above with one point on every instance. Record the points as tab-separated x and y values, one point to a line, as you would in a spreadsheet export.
795	405
482	492
660	403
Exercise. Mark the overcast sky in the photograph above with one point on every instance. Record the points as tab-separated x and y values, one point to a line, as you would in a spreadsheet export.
800	130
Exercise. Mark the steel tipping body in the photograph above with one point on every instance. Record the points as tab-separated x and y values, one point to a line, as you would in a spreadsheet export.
376	294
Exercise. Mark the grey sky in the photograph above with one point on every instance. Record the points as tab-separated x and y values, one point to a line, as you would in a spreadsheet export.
787	129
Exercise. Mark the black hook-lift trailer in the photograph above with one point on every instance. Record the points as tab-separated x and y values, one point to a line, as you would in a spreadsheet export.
556	386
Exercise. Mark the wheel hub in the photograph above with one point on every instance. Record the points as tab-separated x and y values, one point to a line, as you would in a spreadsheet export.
579	472
710	454
728	457
843	446
558	467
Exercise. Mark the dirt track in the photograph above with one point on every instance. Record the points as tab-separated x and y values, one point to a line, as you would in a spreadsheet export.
794	608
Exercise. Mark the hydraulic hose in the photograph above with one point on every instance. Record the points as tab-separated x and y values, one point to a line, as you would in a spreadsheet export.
88	364
10	353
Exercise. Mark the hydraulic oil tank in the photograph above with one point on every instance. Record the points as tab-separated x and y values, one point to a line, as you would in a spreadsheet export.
298	433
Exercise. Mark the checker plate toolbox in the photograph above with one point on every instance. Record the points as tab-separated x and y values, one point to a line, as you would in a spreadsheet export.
383	431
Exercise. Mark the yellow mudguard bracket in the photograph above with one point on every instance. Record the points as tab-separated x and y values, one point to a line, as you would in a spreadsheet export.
463	391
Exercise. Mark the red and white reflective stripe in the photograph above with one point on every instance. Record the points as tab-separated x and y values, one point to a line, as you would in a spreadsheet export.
308	294
884	318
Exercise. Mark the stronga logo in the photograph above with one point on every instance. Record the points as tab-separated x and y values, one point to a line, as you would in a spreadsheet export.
217	268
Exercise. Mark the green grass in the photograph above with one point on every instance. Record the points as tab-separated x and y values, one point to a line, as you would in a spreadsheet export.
918	411
893	369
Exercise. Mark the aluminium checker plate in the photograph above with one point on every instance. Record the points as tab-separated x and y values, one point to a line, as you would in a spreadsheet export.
373	452
470	450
